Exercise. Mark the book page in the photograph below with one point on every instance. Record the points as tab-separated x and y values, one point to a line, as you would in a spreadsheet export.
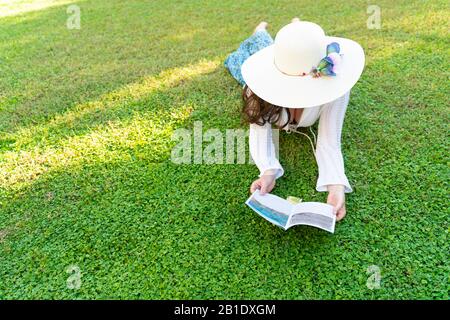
272	208
314	214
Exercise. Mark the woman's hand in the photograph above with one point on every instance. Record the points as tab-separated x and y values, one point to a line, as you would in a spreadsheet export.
265	184
336	197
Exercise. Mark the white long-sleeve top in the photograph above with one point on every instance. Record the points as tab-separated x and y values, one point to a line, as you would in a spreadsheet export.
328	149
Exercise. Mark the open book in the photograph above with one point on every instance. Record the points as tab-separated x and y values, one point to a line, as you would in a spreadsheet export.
285	214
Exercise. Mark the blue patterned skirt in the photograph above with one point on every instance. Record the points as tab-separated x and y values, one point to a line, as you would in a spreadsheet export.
259	40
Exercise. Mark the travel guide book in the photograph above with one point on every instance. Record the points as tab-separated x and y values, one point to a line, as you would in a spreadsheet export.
284	214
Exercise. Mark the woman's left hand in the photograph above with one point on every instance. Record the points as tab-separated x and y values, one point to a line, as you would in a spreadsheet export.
336	197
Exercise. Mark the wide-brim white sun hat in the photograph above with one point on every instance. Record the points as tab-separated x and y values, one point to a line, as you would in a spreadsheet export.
281	73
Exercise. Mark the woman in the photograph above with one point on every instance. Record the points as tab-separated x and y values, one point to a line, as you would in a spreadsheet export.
301	77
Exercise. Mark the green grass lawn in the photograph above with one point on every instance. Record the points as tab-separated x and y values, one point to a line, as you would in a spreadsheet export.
86	119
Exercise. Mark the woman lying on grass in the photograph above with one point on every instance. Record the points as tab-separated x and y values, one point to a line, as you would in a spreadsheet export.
301	77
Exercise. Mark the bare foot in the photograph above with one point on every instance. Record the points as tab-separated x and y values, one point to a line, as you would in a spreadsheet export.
261	26
296	19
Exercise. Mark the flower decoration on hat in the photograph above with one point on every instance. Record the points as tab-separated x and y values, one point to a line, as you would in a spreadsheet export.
329	65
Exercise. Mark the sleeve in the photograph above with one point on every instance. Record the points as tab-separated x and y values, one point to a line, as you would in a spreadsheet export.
328	151
262	150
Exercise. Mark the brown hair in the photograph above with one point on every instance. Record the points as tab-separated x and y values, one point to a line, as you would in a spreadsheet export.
259	111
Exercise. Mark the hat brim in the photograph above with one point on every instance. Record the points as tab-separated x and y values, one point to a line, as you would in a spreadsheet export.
270	84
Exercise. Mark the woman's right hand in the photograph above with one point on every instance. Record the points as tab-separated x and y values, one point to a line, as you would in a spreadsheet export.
265	184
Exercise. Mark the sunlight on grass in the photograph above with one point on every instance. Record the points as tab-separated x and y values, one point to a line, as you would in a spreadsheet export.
182	36
431	23
383	49
151	130
15	7
114	141
133	92
428	22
